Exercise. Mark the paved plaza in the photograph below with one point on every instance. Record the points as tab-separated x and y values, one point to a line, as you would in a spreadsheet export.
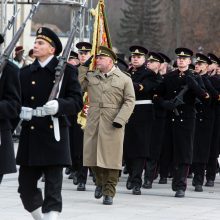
157	203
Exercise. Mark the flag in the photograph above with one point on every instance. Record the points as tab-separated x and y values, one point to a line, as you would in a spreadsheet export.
101	37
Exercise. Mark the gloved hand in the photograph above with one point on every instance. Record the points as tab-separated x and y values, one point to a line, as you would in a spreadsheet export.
26	113
136	86
116	125
168	105
191	82
88	62
51	107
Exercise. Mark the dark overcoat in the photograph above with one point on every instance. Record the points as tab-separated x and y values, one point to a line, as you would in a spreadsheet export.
138	130
10	105
37	146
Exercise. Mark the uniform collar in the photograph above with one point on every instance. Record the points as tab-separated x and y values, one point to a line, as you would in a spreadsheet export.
44	63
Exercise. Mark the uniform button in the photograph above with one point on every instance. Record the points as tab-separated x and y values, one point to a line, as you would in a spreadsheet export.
200	110
32	97
200	119
181	119
174	91
54	81
32	127
33	82
173	119
181	112
51	126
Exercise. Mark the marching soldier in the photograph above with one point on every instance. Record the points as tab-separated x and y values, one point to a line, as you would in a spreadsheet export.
159	115
111	96
44	145
138	130
10	105
214	151
81	172
204	124
181	117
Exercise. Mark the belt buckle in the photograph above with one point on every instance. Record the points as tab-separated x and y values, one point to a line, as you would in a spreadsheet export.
100	104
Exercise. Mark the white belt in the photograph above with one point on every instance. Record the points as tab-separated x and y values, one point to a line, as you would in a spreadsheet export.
143	102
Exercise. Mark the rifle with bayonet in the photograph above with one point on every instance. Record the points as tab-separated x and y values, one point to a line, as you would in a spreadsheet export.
63	59
178	100
6	54
8	27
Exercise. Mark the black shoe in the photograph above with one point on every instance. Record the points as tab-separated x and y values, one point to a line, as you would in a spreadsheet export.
162	180
125	170
129	185
107	200
67	171
198	188
70	177
81	187
180	193
74	178
98	192
136	190
147	185
209	183
43	178
193	183
190	176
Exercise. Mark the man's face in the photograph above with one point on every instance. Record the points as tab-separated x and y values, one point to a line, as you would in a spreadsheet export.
183	62
103	63
201	67
153	65
42	49
212	67
83	56
137	60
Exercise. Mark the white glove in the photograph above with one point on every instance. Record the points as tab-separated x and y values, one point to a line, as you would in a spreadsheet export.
51	107
26	113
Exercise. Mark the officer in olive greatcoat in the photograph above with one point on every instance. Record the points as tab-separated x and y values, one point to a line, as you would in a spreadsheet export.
44	140
10	105
181	117
111	102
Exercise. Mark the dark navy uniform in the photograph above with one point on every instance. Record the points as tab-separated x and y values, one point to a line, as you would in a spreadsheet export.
138	129
10	105
38	151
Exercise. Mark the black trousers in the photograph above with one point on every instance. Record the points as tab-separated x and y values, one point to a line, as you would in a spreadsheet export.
31	196
211	167
150	170
180	173
199	173
1	177
82	174
135	168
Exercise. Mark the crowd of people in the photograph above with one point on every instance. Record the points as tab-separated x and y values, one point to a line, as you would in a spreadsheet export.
149	116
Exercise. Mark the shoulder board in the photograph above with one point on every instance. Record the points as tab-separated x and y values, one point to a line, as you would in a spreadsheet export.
126	73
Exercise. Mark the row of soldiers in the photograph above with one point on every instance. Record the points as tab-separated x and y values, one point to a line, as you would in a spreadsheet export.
164	118
174	123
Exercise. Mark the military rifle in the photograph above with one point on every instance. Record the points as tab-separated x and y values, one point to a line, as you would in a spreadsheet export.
63	59
178	100
8	27
5	56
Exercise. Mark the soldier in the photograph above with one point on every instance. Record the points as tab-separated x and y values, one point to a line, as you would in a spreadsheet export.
73	58
111	96
80	172
44	145
181	117
19	60
215	143
138	130
10	105
157	131
165	65
204	124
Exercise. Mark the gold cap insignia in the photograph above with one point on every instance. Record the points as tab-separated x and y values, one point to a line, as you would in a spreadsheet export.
83	48
151	57
182	53
136	51
198	58
40	31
